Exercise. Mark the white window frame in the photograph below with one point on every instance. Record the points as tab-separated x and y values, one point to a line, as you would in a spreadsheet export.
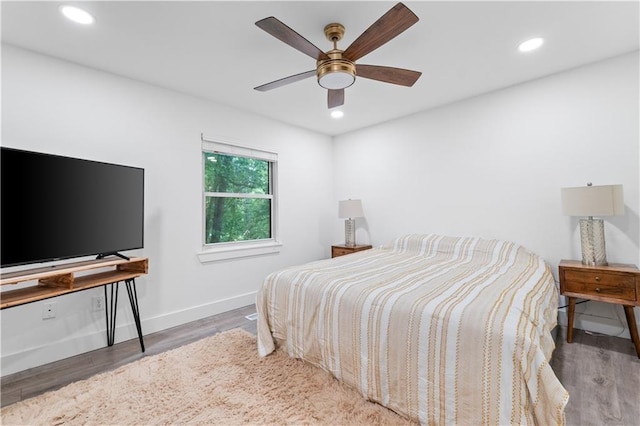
237	249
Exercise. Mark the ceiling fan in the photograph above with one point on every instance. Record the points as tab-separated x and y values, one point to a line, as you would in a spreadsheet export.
336	69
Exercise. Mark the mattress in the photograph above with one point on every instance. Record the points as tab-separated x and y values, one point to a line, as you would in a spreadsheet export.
442	330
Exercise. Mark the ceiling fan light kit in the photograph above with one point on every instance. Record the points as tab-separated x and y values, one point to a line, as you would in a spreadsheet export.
336	74
336	69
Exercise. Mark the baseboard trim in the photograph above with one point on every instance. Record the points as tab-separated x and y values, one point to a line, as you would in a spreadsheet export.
596	324
125	330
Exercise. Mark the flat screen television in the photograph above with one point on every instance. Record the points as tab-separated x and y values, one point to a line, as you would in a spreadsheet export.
54	207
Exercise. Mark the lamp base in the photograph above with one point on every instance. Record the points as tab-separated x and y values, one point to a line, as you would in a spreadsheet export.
592	242
350	232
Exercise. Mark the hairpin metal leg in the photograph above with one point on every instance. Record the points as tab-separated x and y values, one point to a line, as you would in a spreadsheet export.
133	299
110	311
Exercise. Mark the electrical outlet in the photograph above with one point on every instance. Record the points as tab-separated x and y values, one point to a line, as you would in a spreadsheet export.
97	303
48	310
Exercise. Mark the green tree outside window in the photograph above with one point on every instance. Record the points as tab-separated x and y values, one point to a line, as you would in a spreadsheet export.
238	198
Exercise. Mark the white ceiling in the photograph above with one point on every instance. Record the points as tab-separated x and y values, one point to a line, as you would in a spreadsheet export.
214	51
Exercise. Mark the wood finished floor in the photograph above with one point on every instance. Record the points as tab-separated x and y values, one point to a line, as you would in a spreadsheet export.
601	373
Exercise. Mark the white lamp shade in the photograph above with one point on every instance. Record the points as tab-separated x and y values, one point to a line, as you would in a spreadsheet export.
605	200
350	209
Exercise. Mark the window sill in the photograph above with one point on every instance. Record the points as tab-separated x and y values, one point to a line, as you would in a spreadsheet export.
239	251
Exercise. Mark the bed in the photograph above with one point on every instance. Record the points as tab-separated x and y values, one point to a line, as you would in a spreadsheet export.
443	330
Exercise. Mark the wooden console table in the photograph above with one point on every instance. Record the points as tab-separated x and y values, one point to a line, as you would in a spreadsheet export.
68	278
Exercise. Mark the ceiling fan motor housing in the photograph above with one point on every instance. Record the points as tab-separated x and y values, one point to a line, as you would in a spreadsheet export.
336	72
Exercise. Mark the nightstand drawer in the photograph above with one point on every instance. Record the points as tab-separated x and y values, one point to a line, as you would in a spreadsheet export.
341	249
597	283
335	252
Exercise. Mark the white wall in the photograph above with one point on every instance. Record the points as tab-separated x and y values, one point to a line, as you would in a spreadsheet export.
493	166
58	107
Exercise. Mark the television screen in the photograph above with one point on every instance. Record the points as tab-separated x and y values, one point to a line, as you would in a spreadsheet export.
55	207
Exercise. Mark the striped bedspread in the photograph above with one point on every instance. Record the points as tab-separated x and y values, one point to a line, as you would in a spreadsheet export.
443	330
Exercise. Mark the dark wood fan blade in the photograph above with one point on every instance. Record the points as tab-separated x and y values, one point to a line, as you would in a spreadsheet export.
335	98
388	74
289	36
285	81
390	25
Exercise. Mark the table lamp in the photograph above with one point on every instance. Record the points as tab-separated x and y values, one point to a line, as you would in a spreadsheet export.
590	201
349	210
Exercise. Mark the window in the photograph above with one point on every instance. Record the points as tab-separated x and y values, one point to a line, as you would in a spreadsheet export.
239	196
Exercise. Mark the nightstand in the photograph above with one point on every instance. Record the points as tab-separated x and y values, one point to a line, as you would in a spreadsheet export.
614	283
341	249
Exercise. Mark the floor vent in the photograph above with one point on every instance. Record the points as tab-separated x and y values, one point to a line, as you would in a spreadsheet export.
252	317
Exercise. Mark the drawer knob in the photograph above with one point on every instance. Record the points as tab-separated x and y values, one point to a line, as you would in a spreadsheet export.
597	278
598	290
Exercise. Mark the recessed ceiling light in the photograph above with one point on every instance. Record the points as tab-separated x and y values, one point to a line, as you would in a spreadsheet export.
337	114
531	44
77	15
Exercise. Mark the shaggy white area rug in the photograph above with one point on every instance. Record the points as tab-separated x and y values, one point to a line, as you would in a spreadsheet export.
219	380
